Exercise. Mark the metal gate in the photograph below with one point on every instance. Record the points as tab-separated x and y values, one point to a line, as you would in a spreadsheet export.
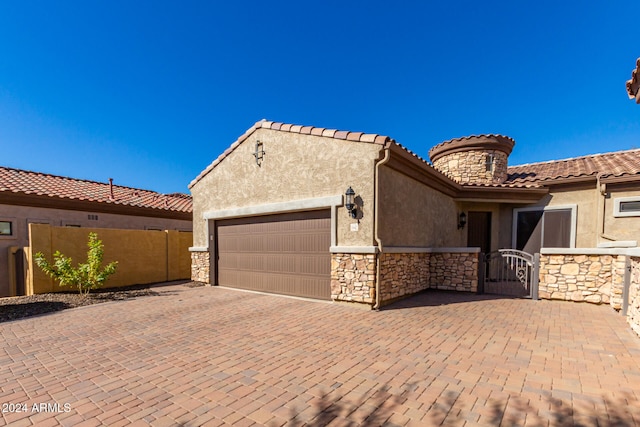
511	272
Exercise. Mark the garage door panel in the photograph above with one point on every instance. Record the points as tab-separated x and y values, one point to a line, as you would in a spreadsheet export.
286	254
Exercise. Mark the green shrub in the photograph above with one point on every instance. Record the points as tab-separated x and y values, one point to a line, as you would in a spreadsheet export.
86	276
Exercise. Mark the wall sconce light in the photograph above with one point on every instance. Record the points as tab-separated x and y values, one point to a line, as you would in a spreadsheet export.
350	203
259	153
462	220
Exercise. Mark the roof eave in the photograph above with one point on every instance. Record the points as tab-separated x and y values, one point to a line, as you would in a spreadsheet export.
410	165
42	201
501	194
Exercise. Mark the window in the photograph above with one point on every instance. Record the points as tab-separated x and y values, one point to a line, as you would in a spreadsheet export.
6	228
488	162
551	227
626	206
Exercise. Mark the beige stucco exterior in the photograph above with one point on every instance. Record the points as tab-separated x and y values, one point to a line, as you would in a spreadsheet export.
412	214
620	228
22	216
500	223
295	167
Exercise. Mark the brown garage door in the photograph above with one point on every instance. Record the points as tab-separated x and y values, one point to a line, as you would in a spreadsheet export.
285	254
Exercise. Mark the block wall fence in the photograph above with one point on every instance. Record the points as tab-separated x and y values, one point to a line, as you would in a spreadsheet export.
144	256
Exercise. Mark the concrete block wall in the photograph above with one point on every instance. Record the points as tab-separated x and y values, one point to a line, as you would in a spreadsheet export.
144	256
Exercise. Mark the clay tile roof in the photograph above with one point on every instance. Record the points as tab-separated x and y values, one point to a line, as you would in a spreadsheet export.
305	130
487	141
42	184
634	84
607	165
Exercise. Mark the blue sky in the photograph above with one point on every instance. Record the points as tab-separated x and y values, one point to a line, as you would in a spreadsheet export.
150	92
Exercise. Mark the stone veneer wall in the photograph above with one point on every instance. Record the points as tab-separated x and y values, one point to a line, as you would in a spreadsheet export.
617	282
576	277
200	266
455	271
403	274
633	313
470	166
353	277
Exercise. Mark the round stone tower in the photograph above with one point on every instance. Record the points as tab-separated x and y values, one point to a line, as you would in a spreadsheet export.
478	159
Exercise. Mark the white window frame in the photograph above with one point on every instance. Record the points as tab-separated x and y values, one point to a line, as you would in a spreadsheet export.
616	206
574	215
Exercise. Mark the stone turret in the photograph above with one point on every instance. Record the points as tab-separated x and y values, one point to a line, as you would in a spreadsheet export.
478	159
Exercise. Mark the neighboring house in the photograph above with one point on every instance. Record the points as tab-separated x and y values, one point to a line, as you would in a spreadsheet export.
269	213
32	197
633	85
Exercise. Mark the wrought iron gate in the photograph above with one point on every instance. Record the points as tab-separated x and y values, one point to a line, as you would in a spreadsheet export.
511	272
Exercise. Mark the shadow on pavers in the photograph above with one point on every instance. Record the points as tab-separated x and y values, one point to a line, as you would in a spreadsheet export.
433	297
377	408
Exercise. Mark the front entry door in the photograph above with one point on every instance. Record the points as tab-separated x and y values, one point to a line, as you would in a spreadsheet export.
479	231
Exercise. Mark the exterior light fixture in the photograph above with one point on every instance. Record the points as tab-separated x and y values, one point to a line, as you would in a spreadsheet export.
350	203
259	153
462	220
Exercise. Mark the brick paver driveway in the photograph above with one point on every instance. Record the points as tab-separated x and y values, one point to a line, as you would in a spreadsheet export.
212	356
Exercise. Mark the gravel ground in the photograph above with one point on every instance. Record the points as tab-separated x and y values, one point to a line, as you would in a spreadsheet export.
13	308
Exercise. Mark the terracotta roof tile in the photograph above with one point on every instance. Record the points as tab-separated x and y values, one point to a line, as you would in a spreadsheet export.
42	184
489	141
354	136
341	134
615	164
633	85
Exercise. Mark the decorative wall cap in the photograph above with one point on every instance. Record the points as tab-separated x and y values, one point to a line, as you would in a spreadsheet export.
472	143
591	251
619	244
353	249
422	249
198	249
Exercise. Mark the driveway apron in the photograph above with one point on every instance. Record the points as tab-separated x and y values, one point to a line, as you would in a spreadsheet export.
214	356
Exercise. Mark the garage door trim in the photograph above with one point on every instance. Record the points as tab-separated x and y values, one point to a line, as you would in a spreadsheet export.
331	202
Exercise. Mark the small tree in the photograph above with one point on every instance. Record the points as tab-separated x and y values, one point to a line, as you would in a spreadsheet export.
86	276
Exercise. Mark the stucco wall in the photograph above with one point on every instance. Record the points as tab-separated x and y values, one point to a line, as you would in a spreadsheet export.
415	215
143	256
295	167
21	216
621	228
500	219
586	199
